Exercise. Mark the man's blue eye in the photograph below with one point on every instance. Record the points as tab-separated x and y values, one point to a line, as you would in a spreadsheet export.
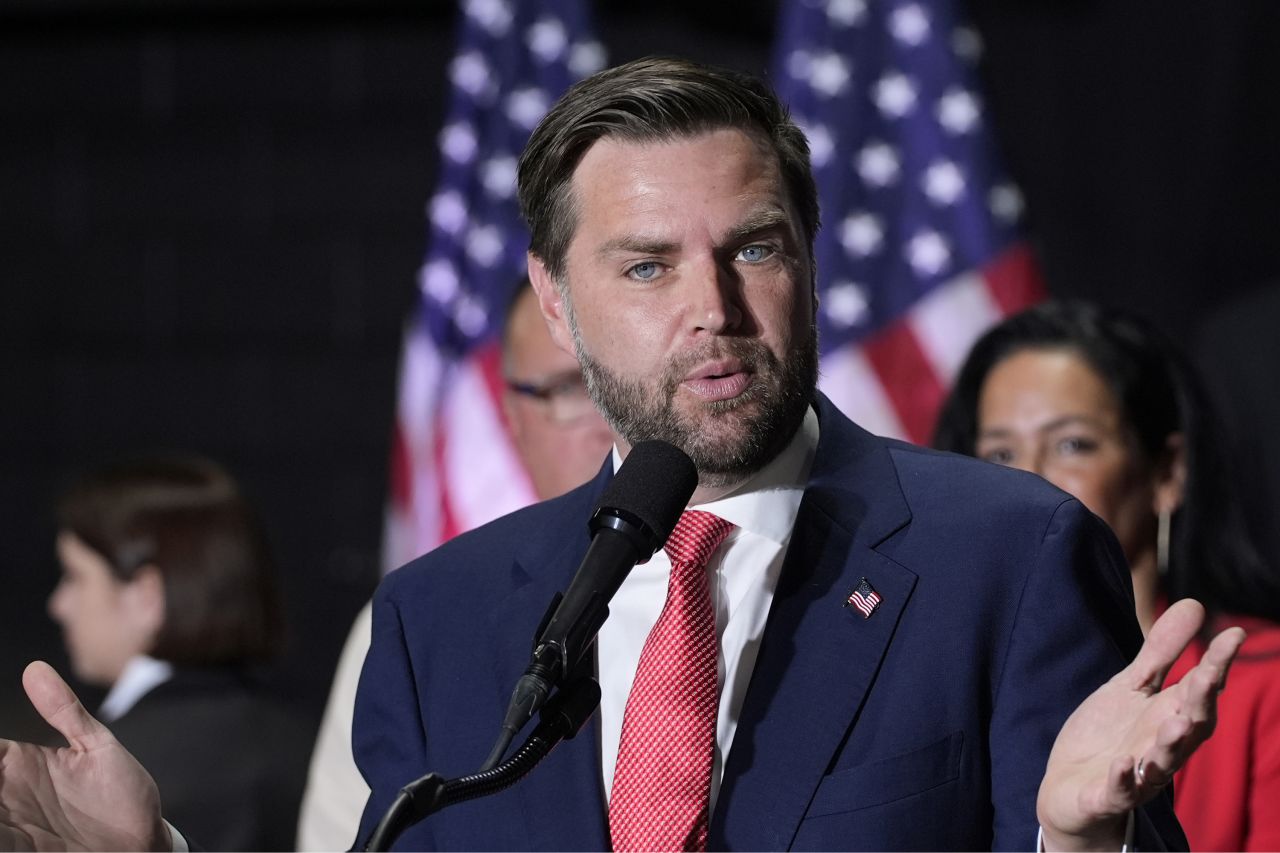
755	254
645	271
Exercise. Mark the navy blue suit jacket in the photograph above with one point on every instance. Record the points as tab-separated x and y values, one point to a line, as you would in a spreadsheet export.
925	727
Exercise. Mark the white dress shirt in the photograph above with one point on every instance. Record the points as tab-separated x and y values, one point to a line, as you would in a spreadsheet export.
139	677
743	573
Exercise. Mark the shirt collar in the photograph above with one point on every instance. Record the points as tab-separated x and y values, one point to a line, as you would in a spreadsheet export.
767	503
140	675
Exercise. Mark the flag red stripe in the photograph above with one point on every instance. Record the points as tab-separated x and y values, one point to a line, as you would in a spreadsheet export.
908	379
401	473
1014	279
449	526
489	360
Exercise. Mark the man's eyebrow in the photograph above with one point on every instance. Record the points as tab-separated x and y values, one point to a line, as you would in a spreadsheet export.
634	244
756	222
767	219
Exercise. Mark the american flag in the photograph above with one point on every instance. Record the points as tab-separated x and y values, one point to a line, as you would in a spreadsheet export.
865	598
453	465
919	251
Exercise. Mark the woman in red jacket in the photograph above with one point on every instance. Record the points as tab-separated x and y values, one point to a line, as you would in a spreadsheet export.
1100	405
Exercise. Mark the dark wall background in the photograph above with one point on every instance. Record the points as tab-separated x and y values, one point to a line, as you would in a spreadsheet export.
211	215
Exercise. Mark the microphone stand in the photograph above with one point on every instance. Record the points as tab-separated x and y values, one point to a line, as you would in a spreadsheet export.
561	718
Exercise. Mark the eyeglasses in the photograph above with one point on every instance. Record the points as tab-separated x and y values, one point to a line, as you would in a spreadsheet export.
564	396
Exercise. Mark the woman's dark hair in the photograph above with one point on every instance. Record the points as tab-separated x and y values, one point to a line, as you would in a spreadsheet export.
1211	557
185	516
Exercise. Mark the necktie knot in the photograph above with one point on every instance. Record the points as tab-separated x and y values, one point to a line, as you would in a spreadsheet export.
696	537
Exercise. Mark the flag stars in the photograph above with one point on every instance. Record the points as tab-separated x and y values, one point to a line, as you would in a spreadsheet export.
493	16
829	73
499	176
909	25
586	57
821	144
439	280
894	94
484	245
943	182
470	73
846	13
449	212
547	39
861	234
526	107
469	315
878	164
458	142
845	304
958	111
1006	203
928	253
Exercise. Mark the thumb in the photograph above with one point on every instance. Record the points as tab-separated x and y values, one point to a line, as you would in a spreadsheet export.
60	708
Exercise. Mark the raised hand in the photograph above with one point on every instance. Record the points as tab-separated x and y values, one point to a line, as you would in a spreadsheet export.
89	795
1124	743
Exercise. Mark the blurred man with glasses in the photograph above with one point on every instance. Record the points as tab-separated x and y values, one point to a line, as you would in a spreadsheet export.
560	436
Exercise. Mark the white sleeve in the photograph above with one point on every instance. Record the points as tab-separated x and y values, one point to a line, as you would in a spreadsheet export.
177	843
329	818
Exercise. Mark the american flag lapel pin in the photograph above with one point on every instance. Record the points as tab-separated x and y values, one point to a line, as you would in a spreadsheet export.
865	598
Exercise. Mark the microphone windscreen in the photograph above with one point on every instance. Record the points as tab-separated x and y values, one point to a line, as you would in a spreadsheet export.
654	485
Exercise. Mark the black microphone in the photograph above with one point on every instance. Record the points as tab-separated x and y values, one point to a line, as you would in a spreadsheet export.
635	515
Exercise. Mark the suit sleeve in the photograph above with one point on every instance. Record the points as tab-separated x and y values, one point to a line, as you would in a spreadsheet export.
389	734
1075	627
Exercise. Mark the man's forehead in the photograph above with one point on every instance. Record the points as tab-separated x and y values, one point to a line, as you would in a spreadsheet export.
639	185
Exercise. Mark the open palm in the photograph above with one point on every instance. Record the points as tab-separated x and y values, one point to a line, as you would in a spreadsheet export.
1124	742
89	795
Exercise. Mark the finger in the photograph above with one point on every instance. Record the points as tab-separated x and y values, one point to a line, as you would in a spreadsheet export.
1221	652
60	708
1176	738
1122	784
1202	684
1170	634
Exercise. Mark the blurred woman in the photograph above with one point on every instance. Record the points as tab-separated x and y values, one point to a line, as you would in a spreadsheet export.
1098	404
168	597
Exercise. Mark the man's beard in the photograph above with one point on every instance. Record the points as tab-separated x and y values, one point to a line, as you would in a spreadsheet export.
763	418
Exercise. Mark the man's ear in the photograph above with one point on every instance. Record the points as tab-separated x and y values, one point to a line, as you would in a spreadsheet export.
551	303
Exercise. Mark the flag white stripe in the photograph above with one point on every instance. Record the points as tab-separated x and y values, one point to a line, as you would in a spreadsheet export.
480	463
854	386
949	319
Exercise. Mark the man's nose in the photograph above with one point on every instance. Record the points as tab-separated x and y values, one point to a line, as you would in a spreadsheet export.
714	298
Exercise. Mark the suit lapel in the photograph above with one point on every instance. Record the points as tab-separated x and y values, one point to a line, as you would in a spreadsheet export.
562	800
818	657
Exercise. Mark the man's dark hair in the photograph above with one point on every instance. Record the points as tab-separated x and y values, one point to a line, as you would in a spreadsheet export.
1211	558
185	516
654	99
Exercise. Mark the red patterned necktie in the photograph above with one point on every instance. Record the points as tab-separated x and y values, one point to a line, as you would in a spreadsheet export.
663	777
